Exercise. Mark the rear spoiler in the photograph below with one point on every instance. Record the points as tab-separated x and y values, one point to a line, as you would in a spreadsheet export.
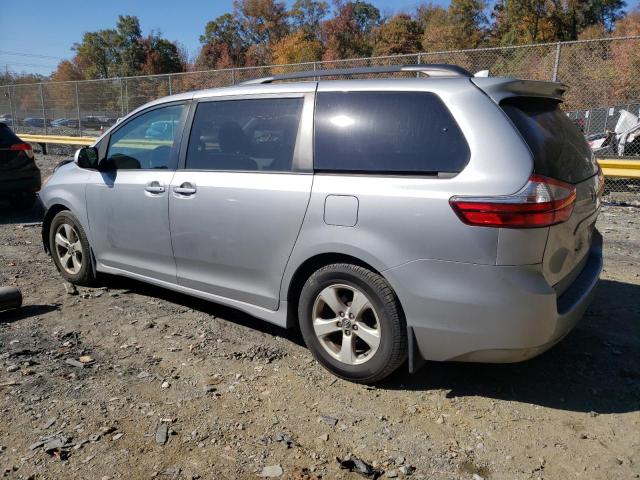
498	88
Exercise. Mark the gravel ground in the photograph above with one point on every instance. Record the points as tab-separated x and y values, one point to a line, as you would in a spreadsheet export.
131	381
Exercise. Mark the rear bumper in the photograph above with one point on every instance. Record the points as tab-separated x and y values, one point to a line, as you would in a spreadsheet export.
23	181
488	313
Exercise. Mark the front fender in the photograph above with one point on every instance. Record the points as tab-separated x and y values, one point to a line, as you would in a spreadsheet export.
65	190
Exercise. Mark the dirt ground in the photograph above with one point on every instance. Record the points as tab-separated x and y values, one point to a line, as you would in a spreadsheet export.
176	387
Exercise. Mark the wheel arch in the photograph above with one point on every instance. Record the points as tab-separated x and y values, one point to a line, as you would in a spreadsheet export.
50	214
310	265
46	223
306	269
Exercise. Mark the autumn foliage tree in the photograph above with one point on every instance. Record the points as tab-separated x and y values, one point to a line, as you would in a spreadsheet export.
532	21
121	51
400	34
263	31
67	71
298	47
349	33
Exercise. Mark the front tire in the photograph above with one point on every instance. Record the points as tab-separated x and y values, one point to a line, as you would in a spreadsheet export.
352	322
70	249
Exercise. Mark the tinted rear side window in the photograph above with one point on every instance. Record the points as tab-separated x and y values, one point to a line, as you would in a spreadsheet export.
7	137
388	132
245	135
559	150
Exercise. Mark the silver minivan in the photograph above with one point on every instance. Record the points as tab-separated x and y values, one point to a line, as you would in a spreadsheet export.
426	215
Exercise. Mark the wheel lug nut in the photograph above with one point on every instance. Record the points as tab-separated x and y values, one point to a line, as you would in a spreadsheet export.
347	333
351	315
342	314
355	327
339	324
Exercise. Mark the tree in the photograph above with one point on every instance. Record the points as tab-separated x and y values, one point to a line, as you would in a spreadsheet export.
626	57
521	21
348	34
160	56
262	21
67	70
438	31
223	39
306	15
214	55
531	21
124	51
470	22
97	54
628	25
462	25
131	50
400	34
297	47
367	16
603	12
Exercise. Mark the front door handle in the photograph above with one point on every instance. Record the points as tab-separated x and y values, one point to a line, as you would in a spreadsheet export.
154	187
186	189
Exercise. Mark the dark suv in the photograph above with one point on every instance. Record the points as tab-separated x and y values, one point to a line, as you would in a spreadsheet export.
19	175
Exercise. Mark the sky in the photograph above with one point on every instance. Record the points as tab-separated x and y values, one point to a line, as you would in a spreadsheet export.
36	37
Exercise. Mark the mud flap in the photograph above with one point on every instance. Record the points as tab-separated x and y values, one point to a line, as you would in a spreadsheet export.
416	362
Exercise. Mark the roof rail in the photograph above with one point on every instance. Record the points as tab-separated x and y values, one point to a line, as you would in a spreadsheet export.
431	70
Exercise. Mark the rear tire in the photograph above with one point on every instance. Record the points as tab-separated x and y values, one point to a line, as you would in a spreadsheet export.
352	323
70	249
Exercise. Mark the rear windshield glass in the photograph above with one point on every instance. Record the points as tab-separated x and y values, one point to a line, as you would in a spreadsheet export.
560	151
7	137
395	132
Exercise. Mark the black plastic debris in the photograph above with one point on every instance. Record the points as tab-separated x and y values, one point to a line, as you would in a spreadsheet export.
10	297
356	465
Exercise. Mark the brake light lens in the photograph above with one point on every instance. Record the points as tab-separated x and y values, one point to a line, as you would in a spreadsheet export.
542	202
22	147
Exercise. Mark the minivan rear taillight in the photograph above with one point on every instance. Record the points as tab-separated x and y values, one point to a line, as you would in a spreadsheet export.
541	202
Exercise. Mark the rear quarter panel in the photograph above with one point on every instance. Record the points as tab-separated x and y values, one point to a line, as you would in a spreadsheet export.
405	218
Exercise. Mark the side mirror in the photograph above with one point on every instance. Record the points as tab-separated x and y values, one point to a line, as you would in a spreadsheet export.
86	157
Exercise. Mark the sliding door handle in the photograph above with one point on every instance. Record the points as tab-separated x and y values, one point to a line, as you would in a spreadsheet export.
154	187
185	189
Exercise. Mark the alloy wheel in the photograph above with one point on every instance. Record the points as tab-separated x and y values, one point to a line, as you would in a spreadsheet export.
69	248
346	324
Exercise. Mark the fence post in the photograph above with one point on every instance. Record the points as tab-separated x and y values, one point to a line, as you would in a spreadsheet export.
419	62
121	99
126	94
233	76
13	119
170	89
556	63
78	110
15	109
44	113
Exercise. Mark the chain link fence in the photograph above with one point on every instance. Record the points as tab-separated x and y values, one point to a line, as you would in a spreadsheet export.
603	97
